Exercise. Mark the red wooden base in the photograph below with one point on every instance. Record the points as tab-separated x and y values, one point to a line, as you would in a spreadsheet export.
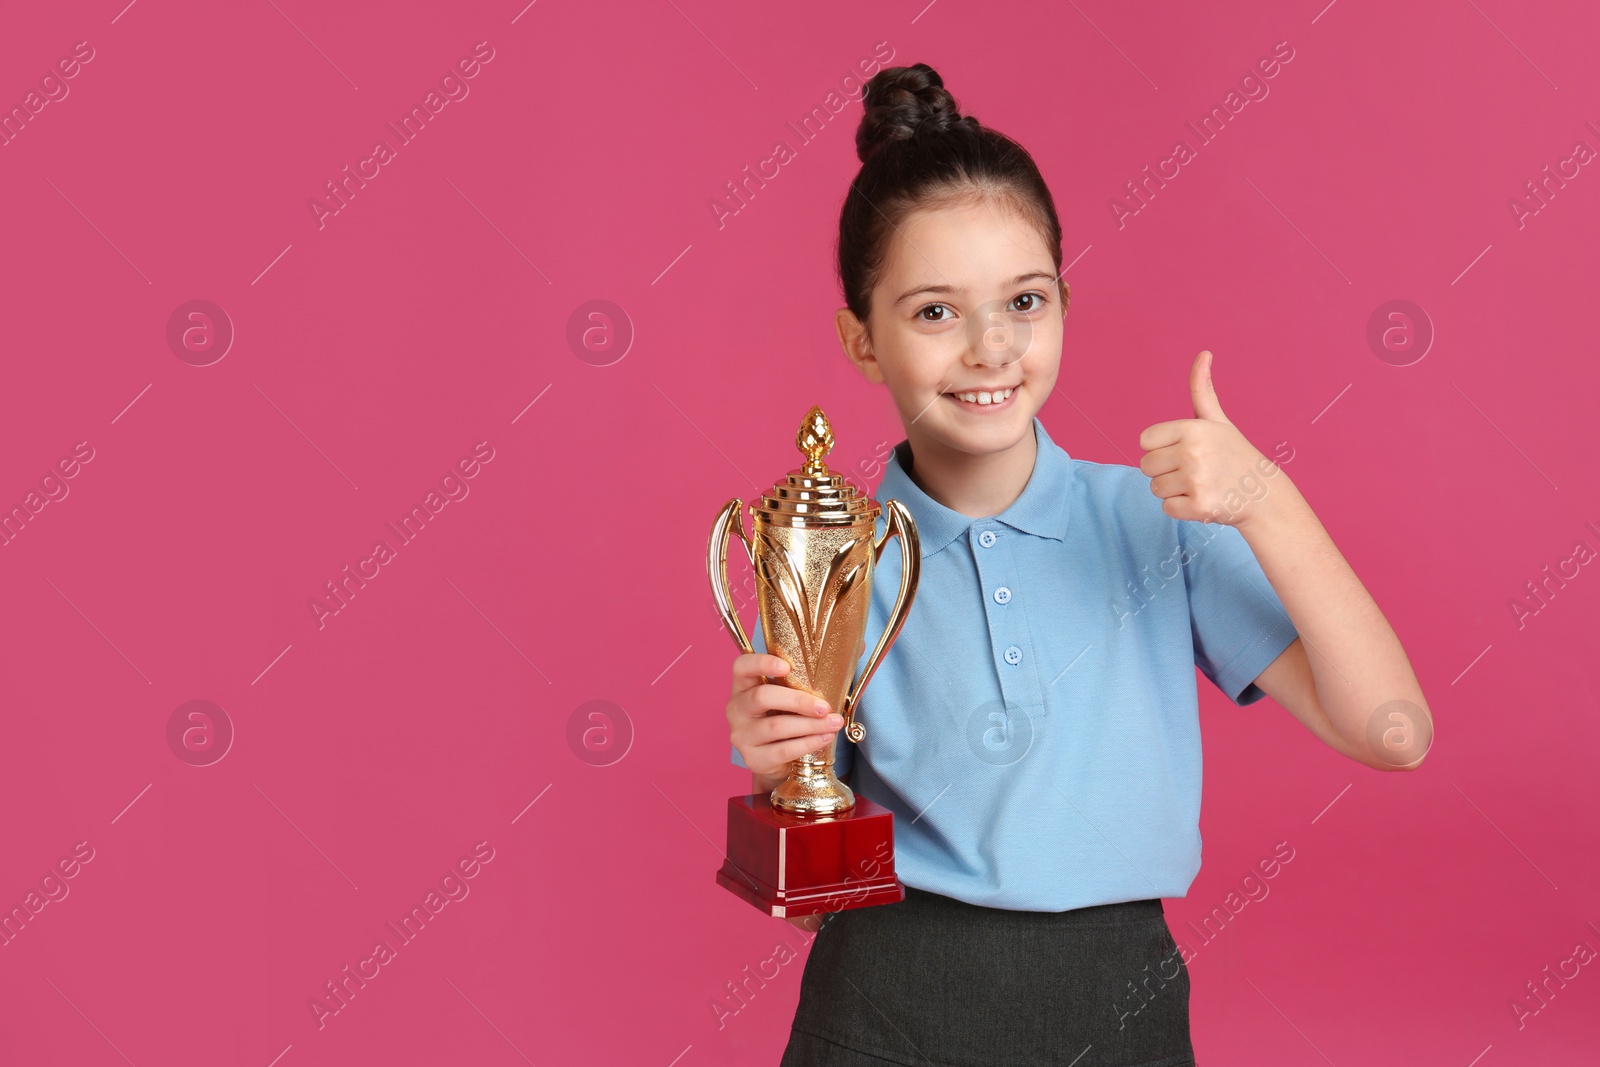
790	865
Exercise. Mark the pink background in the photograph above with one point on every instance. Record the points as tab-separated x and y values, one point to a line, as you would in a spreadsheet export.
372	353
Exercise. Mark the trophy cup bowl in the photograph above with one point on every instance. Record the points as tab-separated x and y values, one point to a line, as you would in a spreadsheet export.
811	844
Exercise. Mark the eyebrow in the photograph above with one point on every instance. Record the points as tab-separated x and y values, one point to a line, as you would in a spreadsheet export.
1018	280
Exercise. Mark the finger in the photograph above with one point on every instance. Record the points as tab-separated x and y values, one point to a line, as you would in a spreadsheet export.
1183	506
779	699
760	664
756	702
1162	434
786	751
1160	461
1203	391
1169	485
752	668
787	727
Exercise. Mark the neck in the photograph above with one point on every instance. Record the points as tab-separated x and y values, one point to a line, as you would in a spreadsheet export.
975	486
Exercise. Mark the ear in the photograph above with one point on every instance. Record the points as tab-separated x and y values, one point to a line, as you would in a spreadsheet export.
857	345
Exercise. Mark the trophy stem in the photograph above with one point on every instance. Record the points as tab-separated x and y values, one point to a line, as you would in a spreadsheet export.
812	788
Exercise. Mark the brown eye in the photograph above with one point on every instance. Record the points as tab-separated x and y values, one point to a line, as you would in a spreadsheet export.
932	307
1036	298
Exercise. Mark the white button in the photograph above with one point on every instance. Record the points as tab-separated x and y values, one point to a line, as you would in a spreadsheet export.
1013	655
987	539
1002	595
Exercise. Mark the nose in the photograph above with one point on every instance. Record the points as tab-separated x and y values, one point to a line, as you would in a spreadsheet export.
997	338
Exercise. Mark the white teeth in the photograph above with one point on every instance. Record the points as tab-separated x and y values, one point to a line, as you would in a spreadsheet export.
985	397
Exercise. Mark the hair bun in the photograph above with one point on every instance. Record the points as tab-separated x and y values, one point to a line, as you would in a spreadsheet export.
906	102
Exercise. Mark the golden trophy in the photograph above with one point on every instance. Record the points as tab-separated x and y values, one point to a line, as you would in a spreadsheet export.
812	845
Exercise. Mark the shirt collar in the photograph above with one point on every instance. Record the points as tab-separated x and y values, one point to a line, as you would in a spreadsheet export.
1042	509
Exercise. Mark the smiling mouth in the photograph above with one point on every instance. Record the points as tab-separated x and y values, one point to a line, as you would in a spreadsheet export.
983	397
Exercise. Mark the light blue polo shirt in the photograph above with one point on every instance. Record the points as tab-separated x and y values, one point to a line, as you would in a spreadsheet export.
1035	726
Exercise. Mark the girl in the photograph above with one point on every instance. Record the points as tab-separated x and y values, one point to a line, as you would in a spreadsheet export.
1034	728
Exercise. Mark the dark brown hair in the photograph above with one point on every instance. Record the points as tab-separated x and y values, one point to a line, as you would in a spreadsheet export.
918	151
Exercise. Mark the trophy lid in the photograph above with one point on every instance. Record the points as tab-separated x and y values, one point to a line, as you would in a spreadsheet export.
812	494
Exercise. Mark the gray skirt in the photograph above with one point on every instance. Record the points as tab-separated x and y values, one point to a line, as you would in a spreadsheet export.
937	982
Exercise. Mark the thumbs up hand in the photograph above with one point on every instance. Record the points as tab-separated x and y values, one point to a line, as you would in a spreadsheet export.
1198	466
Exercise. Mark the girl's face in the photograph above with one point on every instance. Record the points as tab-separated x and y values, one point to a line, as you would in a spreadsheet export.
968	303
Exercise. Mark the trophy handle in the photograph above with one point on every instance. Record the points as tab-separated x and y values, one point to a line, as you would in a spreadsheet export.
728	524
898	524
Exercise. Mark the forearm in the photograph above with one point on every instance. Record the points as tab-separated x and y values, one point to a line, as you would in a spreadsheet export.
1356	659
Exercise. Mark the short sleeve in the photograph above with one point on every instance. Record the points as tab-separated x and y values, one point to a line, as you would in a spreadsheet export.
1238	622
844	751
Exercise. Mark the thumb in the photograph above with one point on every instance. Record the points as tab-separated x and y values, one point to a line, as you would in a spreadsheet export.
1202	391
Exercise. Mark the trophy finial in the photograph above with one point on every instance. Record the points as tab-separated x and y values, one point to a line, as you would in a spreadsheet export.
814	439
